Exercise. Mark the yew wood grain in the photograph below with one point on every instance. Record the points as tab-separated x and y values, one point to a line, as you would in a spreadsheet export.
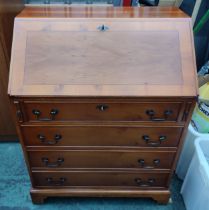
101	159
49	179
95	129
100	135
50	11
103	111
44	56
39	195
128	74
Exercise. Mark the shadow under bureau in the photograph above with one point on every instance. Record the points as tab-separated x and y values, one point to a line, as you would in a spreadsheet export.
102	98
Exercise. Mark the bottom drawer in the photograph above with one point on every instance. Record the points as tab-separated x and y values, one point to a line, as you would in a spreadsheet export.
99	178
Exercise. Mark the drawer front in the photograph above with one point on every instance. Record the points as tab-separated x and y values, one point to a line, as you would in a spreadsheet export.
101	136
101	159
102	111
90	178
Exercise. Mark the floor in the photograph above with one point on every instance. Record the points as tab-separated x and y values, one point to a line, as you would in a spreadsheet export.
15	185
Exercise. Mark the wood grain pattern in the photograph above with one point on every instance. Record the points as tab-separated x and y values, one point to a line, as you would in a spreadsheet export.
39	195
100	135
102	178
111	120
121	69
104	110
126	64
50	11
139	159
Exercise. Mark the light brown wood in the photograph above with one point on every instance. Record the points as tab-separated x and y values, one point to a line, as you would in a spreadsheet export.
39	195
126	56
127	65
51	11
98	119
8	10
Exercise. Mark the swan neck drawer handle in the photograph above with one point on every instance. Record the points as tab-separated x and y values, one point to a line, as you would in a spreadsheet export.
156	163
52	165
42	138
149	183
59	182
52	115
151	113
153	143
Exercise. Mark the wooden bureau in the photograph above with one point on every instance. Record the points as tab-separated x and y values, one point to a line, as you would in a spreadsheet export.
102	98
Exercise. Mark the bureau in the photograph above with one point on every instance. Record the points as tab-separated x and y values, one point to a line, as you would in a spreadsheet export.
102	98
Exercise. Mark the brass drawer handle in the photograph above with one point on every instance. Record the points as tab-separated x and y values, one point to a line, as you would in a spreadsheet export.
52	114
156	163
103	28
57	138
149	183
59	182
102	107
52	165
150	142
151	113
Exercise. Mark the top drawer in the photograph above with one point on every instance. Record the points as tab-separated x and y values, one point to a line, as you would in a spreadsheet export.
101	111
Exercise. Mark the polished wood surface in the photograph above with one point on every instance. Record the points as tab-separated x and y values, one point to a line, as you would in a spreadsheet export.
50	11
135	68
102	110
108	135
89	128
39	195
141	159
99	178
8	11
44	55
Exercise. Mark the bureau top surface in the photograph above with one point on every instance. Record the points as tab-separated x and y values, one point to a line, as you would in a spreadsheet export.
100	12
102	51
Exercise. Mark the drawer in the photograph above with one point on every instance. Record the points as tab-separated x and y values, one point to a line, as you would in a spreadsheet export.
101	159
101	135
99	178
102	111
